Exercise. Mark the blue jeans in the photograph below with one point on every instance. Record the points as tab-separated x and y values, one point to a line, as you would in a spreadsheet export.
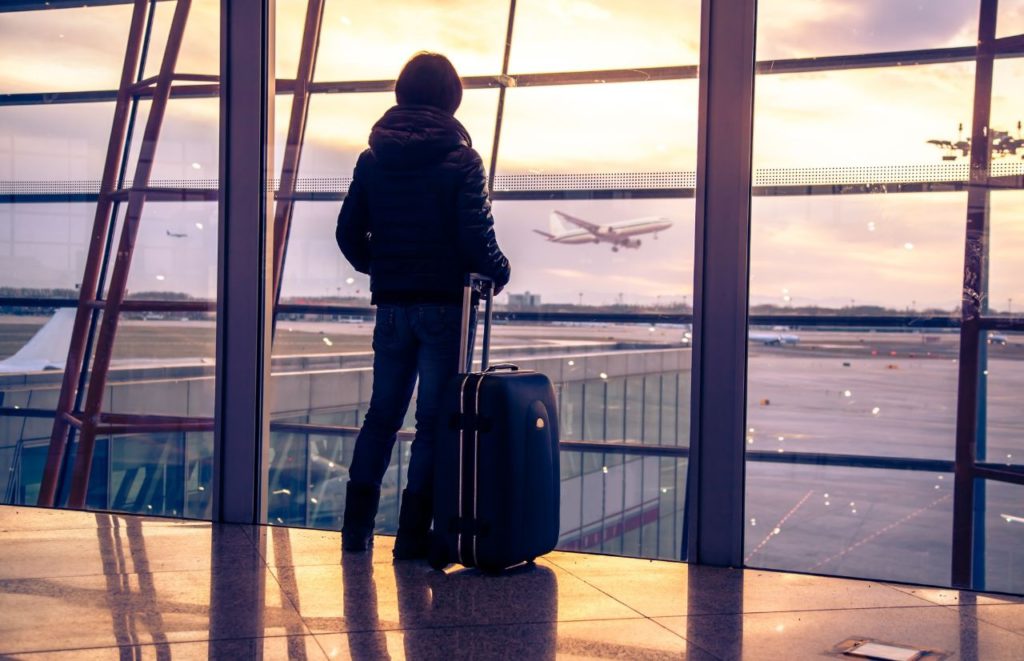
409	341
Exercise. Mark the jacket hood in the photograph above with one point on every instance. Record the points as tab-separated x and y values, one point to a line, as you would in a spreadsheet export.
409	136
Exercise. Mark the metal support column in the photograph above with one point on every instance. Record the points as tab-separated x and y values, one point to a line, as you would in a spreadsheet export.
974	303
91	420
501	95
245	280
718	398
90	287
296	138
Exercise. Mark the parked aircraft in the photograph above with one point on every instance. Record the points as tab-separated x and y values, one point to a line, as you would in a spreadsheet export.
773	338
621	234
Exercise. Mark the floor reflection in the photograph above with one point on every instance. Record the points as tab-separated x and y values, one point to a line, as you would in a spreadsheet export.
113	586
434	607
723	589
237	598
360	608
116	572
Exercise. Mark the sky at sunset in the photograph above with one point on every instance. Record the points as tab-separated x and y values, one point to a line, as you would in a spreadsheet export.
895	250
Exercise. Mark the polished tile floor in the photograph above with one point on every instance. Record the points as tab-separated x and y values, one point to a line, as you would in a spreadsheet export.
97	586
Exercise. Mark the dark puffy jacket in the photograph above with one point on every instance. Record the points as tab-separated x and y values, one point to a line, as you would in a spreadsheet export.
416	217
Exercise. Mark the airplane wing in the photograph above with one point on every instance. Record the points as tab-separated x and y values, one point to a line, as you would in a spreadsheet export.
593	228
545	234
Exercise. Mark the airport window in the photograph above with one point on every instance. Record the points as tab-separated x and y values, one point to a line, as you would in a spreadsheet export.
858	229
1010	18
1002	538
366	41
875	353
62	70
37	44
606	35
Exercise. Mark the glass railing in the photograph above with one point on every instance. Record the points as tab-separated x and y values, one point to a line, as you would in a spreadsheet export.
856	484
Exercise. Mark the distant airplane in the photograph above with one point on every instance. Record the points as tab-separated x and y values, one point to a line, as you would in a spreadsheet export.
620	233
176	235
773	338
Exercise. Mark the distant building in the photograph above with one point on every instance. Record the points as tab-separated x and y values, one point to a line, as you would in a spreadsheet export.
523	301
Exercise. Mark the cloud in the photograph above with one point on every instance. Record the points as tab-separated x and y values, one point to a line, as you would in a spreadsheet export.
803	28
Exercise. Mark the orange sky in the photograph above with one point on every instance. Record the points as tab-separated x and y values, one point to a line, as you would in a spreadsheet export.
816	120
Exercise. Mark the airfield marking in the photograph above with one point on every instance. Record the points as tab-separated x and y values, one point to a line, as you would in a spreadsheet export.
886	529
778	526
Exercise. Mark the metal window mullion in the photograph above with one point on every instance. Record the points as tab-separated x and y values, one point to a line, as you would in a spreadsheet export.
244	283
724	177
499	117
973	306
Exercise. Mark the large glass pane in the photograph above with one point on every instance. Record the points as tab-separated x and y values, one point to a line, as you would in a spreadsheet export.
616	382
652	271
1010	18
339	125
624	507
1002	531
840	121
316	271
604	34
1002	437
200	43
371	41
162	355
63	144
176	252
1006	201
1007	134
855	388
643	128
43	247
857	234
849	521
187	152
1006	254
73	49
814	28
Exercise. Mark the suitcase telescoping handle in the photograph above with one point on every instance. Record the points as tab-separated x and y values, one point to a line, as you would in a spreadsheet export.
483	286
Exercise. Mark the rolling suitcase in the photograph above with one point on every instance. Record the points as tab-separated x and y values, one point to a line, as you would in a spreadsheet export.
496	471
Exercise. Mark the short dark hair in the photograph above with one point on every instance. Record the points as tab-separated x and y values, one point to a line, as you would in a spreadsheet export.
429	79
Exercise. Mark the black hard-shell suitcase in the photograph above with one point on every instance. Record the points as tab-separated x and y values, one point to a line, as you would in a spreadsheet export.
496	471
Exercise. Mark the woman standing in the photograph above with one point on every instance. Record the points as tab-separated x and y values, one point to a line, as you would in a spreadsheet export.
416	219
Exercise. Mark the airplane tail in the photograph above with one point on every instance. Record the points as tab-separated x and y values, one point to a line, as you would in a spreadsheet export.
555	223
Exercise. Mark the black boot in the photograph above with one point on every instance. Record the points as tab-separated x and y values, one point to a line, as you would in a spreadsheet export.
360	509
413	539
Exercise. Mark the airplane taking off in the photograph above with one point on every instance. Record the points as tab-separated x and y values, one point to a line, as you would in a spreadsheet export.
620	233
176	235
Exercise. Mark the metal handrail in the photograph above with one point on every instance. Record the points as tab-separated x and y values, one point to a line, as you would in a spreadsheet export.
904	321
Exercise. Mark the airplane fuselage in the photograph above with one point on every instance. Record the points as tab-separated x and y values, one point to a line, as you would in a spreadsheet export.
618	234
